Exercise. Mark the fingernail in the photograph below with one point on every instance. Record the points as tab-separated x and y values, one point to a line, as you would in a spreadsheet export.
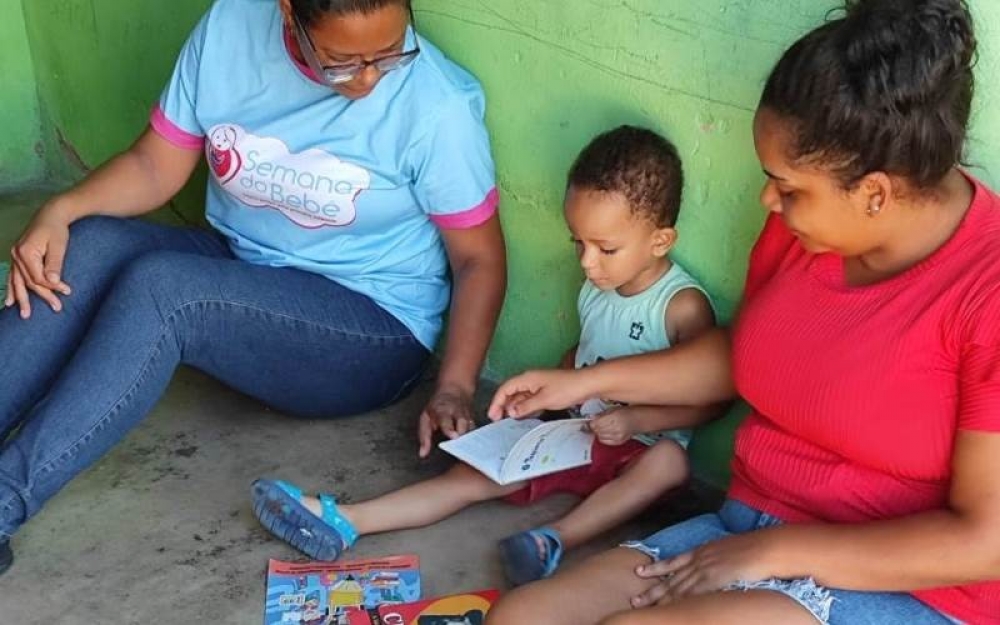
52	277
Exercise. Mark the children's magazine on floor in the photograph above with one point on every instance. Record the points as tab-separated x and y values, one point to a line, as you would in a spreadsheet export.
320	593
466	609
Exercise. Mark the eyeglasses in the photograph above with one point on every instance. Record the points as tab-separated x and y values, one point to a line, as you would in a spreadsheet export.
334	75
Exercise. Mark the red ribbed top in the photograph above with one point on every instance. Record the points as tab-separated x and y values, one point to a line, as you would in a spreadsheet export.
858	391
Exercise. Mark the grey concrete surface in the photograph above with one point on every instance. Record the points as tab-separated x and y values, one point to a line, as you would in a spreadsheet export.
160	530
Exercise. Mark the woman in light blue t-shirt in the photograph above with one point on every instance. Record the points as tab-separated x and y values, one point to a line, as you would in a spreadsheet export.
350	176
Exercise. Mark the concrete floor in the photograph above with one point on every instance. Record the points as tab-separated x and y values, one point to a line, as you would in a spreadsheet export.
160	531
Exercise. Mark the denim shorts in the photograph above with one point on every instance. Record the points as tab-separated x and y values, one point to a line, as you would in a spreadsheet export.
829	605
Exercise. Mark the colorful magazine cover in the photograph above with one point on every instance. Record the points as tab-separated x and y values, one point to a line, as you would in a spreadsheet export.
320	593
465	609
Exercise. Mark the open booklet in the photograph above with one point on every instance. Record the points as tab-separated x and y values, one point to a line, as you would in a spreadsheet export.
512	450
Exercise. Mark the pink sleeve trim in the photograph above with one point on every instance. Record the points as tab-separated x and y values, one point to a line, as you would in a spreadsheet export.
471	218
173	133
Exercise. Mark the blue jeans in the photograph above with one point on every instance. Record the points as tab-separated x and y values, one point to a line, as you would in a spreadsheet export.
830	606
147	298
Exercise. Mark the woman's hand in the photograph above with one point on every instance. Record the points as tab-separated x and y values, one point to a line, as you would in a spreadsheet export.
448	411
37	262
614	427
707	569
535	391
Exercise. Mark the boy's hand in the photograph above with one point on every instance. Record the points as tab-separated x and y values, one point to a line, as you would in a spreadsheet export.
614	427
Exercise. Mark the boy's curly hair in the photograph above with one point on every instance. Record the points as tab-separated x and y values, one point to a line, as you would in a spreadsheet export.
639	164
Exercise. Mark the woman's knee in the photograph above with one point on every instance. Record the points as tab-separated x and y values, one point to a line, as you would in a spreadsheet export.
166	280
516	608
544	602
95	226
661	615
647	617
626	618
600	585
102	235
98	247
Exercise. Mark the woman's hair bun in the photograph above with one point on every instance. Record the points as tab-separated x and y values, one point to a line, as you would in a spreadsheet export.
896	52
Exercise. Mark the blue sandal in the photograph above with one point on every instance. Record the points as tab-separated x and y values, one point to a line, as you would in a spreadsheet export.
523	562
278	506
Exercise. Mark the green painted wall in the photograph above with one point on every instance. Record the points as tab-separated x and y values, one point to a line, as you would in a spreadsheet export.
100	67
556	72
984	155
101	64
21	150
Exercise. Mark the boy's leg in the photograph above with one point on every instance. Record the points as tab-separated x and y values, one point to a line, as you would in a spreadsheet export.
618	484
657	470
422	503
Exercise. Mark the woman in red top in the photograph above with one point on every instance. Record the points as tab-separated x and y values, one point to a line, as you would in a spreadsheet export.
866	482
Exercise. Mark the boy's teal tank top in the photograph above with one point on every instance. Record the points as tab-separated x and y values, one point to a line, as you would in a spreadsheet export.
613	326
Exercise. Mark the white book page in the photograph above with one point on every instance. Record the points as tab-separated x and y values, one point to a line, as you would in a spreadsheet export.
549	448
486	448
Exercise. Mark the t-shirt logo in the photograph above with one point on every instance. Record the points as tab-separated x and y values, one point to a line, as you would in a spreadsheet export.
636	332
312	188
223	157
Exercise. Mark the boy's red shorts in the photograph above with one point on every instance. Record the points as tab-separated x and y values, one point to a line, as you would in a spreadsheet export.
606	464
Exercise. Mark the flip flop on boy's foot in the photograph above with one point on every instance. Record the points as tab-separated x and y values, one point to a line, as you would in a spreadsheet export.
278	506
6	556
530	556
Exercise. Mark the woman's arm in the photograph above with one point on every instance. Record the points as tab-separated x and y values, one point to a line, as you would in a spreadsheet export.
479	270
619	425
955	546
694	373
136	181
688	316
959	545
